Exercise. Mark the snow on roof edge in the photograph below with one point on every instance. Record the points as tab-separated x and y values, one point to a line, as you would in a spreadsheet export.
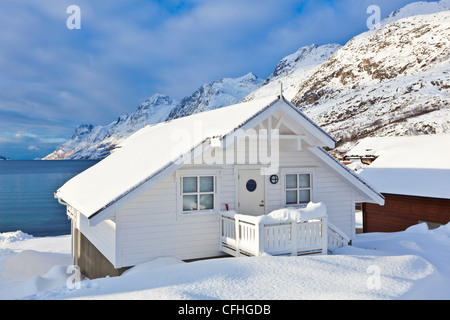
352	173
132	189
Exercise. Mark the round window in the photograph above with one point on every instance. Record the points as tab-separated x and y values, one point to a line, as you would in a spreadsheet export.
251	185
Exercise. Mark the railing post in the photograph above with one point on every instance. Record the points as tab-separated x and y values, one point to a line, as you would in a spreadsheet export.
260	238
238	236
294	238
221	233
324	236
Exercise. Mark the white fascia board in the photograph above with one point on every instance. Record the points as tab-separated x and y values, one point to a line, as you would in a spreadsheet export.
373	195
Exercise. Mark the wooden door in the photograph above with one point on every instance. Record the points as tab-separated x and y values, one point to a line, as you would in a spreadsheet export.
251	192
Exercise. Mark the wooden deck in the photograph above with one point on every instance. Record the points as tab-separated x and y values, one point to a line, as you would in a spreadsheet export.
250	236
242	235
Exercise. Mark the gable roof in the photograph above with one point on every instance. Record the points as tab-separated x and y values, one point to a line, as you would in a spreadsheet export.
154	152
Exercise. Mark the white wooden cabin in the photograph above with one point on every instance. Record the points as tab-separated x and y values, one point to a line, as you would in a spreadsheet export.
168	190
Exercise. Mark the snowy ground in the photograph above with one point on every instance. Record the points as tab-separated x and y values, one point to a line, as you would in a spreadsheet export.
414	264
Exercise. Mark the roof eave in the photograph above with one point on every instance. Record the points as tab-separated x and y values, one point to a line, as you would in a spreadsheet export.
373	195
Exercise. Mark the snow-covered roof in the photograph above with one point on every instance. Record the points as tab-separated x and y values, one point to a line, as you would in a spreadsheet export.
155	151
411	165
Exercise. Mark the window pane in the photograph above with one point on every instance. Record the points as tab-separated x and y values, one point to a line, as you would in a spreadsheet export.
189	184
206	184
305	196
291	181
304	180
189	203
291	197
206	201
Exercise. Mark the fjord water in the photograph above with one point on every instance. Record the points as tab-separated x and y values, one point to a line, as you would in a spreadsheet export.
26	195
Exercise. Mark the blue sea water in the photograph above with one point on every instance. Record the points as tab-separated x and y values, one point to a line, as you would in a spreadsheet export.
26	195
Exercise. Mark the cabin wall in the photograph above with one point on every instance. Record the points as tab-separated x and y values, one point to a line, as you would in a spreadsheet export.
150	226
328	188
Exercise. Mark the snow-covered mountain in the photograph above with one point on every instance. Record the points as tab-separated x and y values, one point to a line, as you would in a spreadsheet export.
386	82
292	70
390	81
218	94
96	142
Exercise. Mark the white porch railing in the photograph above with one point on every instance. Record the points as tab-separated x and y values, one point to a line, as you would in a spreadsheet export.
242	235
336	237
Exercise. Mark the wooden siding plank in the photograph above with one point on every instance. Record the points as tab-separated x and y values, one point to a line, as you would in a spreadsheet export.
401	212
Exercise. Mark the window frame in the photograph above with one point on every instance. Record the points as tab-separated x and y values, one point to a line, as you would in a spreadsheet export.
180	192
297	172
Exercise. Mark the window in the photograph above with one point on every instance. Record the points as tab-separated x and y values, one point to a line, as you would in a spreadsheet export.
198	193
298	189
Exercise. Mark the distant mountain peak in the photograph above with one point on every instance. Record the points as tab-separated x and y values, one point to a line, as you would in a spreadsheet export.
96	142
293	69
218	94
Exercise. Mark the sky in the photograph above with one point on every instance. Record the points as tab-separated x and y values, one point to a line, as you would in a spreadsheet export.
60	68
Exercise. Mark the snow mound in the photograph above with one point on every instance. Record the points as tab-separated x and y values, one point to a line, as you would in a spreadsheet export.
28	263
418	228
56	277
16	236
153	265
312	211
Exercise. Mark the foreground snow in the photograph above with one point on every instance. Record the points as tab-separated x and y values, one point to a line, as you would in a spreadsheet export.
413	264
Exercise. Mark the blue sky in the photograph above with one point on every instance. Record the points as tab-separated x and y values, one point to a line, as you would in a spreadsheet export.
53	79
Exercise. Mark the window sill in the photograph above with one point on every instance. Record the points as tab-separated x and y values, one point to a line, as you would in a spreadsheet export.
198	213
302	206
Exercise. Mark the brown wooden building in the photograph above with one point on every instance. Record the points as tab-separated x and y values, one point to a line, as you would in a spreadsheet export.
413	174
403	211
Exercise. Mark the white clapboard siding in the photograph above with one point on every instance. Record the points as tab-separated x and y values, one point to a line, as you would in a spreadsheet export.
102	236
329	188
150	226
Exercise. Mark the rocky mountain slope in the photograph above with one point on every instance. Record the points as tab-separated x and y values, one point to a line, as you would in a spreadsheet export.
293	70
390	81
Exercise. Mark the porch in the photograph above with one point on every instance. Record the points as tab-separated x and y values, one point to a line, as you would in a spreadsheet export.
244	235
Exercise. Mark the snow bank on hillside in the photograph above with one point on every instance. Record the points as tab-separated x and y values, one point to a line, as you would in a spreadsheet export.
414	264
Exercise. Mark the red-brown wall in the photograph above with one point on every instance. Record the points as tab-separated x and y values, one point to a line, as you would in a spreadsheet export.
401	212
